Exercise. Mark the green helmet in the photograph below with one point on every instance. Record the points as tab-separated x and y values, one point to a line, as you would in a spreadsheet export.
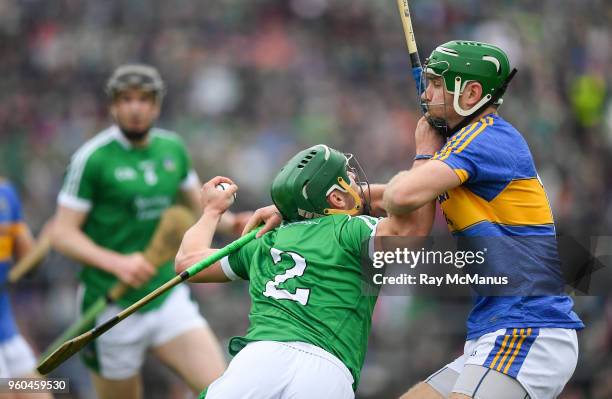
300	189
144	77
459	62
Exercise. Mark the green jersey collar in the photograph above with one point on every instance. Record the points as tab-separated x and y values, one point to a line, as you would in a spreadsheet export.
121	139
125	143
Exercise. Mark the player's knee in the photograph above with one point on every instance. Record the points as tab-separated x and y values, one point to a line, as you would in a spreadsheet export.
421	391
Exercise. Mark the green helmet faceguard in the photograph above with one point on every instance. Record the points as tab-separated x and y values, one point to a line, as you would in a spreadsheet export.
143	77
459	62
300	189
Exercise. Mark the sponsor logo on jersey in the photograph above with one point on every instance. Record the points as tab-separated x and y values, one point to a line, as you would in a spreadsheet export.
148	168
123	173
151	207
169	165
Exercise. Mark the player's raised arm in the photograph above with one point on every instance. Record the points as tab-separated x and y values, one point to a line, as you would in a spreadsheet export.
412	189
409	197
415	224
196	244
230	224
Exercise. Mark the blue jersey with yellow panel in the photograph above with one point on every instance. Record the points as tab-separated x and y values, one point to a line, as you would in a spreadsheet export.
11	222
501	196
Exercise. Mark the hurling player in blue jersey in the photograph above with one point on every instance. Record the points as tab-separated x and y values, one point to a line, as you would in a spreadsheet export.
521	345
16	357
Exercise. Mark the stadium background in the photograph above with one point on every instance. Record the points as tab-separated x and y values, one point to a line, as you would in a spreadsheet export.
251	82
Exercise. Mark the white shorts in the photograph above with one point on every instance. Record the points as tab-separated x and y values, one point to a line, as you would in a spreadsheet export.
279	370
16	358
119	353
542	360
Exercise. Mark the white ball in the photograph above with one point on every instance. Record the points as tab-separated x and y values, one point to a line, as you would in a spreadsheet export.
223	187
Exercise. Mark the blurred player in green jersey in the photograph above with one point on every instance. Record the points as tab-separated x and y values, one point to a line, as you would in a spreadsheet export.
309	319
115	189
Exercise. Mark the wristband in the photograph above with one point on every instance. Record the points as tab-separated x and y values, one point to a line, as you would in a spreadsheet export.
419	157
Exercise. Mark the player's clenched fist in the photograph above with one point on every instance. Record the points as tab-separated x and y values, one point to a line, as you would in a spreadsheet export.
217	195
427	139
134	270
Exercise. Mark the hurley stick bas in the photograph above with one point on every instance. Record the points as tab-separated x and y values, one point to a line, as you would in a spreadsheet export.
413	52
31	259
74	345
163	246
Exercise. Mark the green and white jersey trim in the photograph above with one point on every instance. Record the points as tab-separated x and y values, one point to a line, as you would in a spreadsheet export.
191	181
372	223
227	269
68	195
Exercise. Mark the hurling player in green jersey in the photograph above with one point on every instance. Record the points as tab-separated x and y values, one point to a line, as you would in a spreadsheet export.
309	319
115	189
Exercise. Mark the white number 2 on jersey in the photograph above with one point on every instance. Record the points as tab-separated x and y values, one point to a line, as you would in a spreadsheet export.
301	294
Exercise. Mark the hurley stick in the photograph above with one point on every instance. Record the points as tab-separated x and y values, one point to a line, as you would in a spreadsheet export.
31	260
74	345
163	246
413	52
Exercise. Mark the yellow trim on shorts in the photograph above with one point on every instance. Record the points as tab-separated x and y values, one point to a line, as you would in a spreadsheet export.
499	352
507	352
518	348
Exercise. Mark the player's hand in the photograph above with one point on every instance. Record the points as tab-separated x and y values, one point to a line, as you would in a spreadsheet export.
241	220
215	200
268	215
427	139
133	270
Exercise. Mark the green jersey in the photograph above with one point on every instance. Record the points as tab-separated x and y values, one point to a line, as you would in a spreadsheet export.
305	283
124	190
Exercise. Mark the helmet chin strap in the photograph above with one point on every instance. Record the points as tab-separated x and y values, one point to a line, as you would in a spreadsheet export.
470	114
456	105
438	123
355	210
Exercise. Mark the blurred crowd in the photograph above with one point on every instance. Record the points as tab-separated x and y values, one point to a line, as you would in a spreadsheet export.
252	82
